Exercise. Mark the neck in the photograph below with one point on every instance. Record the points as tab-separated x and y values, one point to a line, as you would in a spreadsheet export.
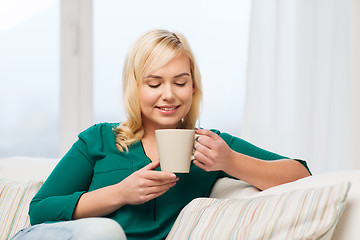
149	135
149	130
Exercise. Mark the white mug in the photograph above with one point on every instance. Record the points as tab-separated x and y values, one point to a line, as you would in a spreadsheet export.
175	147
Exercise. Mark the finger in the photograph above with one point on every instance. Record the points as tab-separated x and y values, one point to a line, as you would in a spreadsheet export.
200	157
152	165
203	148
155	195
205	132
153	192
160	188
205	141
159	183
209	139
201	165
160	176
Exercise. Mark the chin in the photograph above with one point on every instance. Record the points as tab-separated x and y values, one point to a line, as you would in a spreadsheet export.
168	125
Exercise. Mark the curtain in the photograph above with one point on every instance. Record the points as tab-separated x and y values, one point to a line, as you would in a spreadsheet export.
303	81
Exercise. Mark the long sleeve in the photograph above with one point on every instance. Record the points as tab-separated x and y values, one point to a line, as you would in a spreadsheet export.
57	198
241	146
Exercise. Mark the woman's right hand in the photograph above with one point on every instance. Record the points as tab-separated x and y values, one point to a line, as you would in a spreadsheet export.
140	187
146	184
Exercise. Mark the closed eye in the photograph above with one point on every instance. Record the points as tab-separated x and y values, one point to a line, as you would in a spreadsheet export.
154	85
180	84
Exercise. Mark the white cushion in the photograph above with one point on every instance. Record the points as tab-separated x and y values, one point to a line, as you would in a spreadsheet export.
24	169
298	214
346	229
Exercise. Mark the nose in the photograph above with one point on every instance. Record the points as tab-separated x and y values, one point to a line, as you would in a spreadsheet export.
168	93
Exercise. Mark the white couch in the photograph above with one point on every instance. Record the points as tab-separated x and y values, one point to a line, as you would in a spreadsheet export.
25	169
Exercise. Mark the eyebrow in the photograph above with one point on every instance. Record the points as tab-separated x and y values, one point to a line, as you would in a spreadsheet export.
182	74
176	76
153	76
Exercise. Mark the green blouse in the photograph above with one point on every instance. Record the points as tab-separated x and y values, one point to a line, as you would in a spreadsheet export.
94	162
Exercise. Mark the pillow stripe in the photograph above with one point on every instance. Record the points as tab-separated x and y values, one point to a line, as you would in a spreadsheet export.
22	219
299	214
14	205
18	210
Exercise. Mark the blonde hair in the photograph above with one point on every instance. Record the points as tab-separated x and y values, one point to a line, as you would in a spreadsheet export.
152	51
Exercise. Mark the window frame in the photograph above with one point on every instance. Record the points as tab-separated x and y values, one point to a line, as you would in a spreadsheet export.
76	80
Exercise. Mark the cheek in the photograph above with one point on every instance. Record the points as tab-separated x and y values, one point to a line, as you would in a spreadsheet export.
186	96
146	97
189	94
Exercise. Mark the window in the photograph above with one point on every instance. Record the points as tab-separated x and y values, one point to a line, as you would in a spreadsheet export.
217	32
30	63
29	78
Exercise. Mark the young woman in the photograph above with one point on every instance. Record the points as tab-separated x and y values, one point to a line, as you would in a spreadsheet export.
110	181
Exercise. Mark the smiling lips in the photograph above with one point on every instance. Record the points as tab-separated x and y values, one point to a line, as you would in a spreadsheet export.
168	109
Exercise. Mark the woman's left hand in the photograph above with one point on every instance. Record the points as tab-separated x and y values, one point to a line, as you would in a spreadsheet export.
212	152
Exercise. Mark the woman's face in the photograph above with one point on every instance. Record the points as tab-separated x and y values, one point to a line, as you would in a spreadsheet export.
166	94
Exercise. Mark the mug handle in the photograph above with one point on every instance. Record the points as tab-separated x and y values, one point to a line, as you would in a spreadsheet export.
195	140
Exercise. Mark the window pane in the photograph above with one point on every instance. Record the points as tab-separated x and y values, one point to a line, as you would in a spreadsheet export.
217	32
29	77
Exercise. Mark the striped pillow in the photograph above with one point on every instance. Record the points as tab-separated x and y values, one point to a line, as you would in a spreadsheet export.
14	205
298	214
